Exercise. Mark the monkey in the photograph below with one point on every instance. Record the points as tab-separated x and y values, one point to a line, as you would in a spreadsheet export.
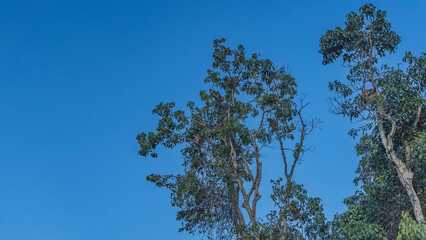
215	94
296	215
367	93
295	211
198	199
197	141
197	138
236	80
366	96
218	126
232	83
272	123
203	123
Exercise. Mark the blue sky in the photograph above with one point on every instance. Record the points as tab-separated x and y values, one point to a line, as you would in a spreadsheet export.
78	81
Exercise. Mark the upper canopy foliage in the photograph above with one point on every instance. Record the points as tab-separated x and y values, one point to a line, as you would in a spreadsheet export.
249	105
389	104
365	32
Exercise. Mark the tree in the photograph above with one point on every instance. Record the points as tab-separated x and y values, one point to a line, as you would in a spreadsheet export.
409	229
249	106
376	208
388	102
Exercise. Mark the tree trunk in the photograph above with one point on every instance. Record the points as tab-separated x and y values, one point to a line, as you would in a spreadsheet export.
406	178
405	175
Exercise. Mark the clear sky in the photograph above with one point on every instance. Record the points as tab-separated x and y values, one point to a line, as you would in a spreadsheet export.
78	81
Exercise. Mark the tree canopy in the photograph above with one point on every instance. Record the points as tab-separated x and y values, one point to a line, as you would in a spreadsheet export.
250	105
388	103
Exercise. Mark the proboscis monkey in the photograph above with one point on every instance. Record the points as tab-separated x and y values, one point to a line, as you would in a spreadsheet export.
272	123
215	94
367	93
218	126
235	79
197	138
233	83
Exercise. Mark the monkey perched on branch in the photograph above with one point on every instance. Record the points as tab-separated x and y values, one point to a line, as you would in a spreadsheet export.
368	93
272	123
233	83
296	212
236	80
197	138
296	215
367	97
218	126
215	94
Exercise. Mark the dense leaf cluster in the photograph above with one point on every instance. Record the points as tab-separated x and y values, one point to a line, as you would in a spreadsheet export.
250	104
389	105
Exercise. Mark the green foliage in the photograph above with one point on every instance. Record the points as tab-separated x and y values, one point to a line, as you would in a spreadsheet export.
366	38
249	105
351	226
303	215
366	31
382	198
409	229
377	94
